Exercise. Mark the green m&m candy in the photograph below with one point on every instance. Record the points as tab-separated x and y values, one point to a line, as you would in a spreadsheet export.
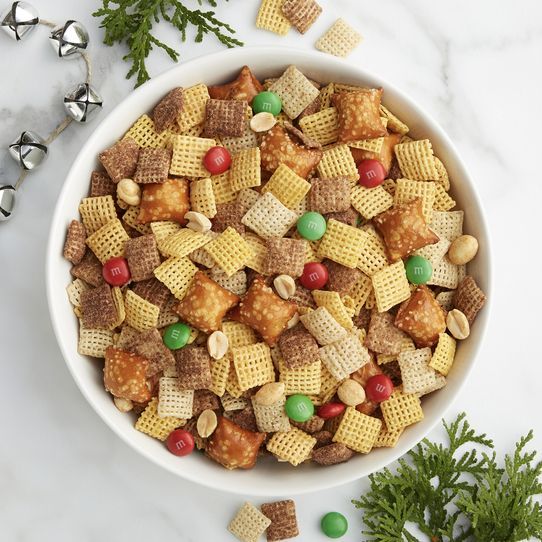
176	336
334	525
299	408
267	102
418	270
311	226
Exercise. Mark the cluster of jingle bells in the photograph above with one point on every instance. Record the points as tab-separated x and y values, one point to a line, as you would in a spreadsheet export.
69	41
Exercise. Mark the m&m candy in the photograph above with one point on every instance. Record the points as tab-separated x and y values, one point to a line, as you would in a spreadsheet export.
418	270
217	160
371	173
180	442
334	525
267	102
331	410
116	272
299	408
379	388
176	336
311	226
315	276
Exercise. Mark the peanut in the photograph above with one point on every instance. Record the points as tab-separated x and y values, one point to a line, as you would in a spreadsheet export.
351	393
458	325
197	221
129	192
270	393
463	249
285	286
124	405
206	423
217	345
262	122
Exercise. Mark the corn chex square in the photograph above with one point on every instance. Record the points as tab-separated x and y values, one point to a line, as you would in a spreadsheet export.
150	423
401	410
394	124
288	187
140	314
340	39
305	379
322	326
222	189
295	91
344	356
238	334
270	17
187	157
245	170
373	255
341	243
407	191
390	286
387	438
193	111
370	202
417	376
294	446
253	365
443	200
358	431
268	217
338	162
416	160
183	243
230	251
322	126
258	256
177	274
173	400
109	241
248	524
444	354
145	135
202	197
333	303
220	369
97	212
94	342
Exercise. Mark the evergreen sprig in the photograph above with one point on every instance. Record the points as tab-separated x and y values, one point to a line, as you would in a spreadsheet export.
453	493
131	21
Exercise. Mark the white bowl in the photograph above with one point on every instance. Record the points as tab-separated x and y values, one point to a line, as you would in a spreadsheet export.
269	478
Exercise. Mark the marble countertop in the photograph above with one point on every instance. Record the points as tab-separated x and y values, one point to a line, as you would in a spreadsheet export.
64	475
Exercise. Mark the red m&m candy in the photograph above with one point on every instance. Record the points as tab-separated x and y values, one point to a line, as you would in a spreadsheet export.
379	388
217	160
116	272
180	442
371	173
314	276
331	410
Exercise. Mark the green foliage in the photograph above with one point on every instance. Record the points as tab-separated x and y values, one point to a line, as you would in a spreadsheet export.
454	493
132	21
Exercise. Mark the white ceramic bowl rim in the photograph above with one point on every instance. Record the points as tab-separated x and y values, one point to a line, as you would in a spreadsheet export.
265	479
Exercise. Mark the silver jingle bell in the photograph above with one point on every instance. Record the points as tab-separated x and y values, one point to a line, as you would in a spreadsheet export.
19	20
70	39
29	150
82	101
7	202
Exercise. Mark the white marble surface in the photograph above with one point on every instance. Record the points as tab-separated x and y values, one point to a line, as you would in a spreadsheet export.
64	475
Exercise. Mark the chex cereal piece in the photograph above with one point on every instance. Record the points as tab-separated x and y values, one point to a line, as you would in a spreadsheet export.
150	423
246	198
244	418
225	118
285	256
444	354
298	348
333	303
143	257
120	160
74	246
330	195
394	124
230	251
101	185
407	191
222	189
140	314
294	446
288	187
245	169
328	385
445	274
202	197
341	243
418	377
312	425
416	160
270	17
446	300
443	177
74	290
447	224
193	110
176	274
89	270
372	256
253	365
283	520
434	253
370	145
193	368
229	215
302	14
295	91
305	379
271	418
370	202
259	252
383	337
322	126
173	400
390	286
188	153
220	370
443	200
268	217
149	344
131	218
183	243
97	212
341	279
109	241
357	431
469	298
339	40
205	304
338	162
238	334
360	293
401	410
94	342
167	201
344	356
249	523
165	113
387	438
153	291
144	133
322	326
233	398
247	140
236	283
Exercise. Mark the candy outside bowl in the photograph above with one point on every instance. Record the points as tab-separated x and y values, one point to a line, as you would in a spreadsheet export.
269	478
